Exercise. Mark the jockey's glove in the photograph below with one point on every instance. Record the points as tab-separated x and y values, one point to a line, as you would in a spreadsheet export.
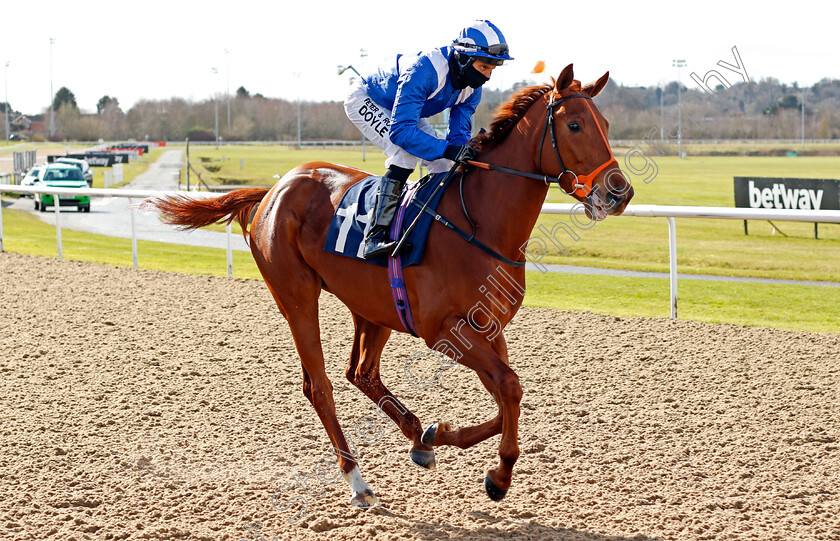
460	153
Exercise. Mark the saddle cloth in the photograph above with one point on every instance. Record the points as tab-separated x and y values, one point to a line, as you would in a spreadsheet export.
347	228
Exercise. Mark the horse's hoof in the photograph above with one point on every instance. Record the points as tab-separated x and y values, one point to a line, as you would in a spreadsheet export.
424	459
429	435
495	493
365	499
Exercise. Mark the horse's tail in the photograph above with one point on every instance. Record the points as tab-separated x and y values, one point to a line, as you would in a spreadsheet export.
191	213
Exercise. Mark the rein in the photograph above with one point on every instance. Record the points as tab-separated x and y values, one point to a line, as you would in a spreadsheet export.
582	185
470	238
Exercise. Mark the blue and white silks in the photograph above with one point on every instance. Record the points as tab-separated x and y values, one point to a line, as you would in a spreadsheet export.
418	87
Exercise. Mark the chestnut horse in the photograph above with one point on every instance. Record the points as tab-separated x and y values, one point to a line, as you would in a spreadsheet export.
544	134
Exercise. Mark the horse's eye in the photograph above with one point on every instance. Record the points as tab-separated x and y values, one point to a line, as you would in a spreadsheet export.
574	127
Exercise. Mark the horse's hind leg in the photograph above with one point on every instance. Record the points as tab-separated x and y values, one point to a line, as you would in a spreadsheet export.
318	389
363	372
299	305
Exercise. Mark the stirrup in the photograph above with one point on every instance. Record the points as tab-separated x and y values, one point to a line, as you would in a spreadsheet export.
375	248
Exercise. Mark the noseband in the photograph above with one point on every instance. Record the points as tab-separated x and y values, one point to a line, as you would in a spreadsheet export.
582	184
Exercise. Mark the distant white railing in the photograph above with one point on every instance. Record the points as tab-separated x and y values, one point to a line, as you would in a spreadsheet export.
727	213
103	192
654	211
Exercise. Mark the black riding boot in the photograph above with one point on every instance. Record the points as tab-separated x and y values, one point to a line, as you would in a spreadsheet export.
391	186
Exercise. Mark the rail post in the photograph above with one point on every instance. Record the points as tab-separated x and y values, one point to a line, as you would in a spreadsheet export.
133	235
1	223
229	251
57	205
672	254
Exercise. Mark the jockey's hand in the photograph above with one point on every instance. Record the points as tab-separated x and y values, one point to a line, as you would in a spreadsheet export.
460	153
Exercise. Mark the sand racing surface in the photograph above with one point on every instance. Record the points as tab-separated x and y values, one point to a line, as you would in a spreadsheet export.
150	405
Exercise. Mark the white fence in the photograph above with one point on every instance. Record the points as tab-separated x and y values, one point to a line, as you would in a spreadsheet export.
114	175
671	212
654	211
103	192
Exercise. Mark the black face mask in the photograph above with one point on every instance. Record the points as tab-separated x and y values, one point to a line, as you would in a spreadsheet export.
464	73
473	77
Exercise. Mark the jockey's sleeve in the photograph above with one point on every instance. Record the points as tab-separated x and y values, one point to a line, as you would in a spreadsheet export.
460	120
415	86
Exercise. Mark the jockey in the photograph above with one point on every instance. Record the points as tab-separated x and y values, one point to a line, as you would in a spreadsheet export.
391	107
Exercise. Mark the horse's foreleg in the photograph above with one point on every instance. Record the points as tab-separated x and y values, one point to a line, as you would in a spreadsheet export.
363	372
442	433
489	361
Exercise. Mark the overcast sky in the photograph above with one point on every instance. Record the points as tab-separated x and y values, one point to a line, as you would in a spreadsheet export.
155	50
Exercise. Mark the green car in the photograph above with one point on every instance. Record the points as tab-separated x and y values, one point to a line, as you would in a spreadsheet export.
61	175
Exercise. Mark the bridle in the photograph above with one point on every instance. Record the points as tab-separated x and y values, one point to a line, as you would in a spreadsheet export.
582	185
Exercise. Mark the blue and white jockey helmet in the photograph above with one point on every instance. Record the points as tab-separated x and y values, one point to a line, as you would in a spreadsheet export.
483	41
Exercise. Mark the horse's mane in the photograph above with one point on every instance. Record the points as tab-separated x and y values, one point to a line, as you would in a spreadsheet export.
509	113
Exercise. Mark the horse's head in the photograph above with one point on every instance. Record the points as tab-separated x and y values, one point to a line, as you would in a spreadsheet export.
575	148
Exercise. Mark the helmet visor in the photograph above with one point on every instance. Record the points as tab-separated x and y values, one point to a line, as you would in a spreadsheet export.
498	49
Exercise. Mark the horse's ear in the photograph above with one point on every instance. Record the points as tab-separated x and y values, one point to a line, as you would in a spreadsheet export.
594	88
566	78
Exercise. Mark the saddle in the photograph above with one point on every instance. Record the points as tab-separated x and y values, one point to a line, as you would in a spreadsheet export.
418	207
347	229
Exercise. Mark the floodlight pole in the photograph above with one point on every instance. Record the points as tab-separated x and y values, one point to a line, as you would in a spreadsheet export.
227	57
216	102
662	112
803	117
679	64
362	55
341	70
297	76
52	96
6	106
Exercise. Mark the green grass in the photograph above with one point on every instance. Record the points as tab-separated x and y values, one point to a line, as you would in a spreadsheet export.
24	233
716	247
805	308
46	148
256	165
723	148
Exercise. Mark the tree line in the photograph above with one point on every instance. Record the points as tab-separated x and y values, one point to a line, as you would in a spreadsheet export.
767	109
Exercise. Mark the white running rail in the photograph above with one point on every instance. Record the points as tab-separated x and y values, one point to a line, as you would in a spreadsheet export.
577	209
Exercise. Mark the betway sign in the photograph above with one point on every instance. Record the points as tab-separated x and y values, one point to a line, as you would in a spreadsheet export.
787	193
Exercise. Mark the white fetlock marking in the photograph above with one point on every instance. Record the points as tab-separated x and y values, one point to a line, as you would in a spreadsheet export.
354	478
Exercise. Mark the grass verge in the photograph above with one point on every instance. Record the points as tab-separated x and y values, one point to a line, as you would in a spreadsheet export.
719	247
24	233
803	308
